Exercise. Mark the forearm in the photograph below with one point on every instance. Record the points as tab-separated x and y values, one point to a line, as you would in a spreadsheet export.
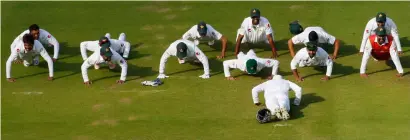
124	69
238	44
336	45
127	48
83	50
224	44
291	48
397	41
84	73
50	66
329	67
295	73
364	40
8	68
272	45
56	49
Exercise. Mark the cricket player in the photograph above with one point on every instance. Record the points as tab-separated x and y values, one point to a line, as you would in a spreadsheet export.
27	51
205	32
381	20
184	50
382	47
250	63
121	46
311	55
276	94
254	29
45	38
310	34
104	55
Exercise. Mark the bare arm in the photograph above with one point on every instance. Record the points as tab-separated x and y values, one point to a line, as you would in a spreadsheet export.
238	43
272	45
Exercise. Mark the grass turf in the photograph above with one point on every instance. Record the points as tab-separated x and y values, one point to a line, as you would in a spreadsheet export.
187	107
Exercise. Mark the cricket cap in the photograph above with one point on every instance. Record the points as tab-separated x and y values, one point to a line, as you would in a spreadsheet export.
104	42
202	29
105	51
295	28
381	17
381	31
310	46
182	50
255	12
251	66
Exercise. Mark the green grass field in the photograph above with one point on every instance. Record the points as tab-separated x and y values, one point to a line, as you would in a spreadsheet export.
187	107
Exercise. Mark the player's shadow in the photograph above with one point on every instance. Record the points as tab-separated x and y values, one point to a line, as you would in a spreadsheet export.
215	66
66	51
134	54
60	66
133	72
280	45
32	75
405	42
344	49
307	99
338	71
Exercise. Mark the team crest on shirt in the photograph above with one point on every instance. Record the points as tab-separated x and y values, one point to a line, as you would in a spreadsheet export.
249	30
49	36
268	61
121	61
213	33
197	53
367	31
18	50
268	25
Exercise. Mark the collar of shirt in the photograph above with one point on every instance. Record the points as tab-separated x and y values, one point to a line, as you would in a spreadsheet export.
385	40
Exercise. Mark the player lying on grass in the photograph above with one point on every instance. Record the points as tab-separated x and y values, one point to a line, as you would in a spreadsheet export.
255	29
27	51
45	38
121	46
104	55
250	63
382	47
311	55
276	94
203	32
381	20
310	34
184	50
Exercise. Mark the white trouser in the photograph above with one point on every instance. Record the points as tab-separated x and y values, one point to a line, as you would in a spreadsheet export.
393	55
90	46
121	37
277	102
210	42
253	38
27	61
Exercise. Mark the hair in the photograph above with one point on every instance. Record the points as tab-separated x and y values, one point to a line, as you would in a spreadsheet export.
313	36
33	27
28	38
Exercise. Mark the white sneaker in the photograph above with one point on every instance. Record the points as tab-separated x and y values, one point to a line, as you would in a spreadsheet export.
285	114
108	35
36	61
122	37
277	113
210	43
26	63
96	66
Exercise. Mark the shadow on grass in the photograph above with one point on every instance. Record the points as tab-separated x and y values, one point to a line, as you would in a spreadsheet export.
338	69
133	71
307	99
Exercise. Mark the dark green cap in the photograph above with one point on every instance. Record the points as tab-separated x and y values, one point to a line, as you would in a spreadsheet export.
251	66
255	12
202	29
104	42
182	50
105	51
381	31
295	28
381	17
311	46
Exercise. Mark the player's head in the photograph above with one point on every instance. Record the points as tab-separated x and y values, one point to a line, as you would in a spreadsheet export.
34	30
311	48
251	66
28	41
263	115
202	29
295	28
313	37
182	50
381	19
381	35
106	53
104	42
256	16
